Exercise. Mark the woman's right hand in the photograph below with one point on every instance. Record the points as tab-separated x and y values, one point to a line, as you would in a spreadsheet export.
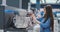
34	19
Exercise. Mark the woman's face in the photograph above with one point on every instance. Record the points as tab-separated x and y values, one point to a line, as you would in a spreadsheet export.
44	10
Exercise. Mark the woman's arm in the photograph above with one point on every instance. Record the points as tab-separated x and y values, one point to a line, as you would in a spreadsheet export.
34	19
46	24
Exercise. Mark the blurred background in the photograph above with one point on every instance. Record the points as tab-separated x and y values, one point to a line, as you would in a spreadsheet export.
9	9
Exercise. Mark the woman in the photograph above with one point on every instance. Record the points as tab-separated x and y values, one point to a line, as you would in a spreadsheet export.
45	22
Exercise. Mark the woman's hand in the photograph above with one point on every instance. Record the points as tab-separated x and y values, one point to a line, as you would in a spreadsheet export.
34	19
32	15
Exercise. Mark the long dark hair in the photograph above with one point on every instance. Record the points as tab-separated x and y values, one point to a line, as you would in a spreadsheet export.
49	14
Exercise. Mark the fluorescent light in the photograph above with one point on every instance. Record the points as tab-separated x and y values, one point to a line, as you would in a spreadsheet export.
47	1
51	1
33	1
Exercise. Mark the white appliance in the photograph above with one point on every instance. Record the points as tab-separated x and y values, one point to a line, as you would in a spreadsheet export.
21	21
